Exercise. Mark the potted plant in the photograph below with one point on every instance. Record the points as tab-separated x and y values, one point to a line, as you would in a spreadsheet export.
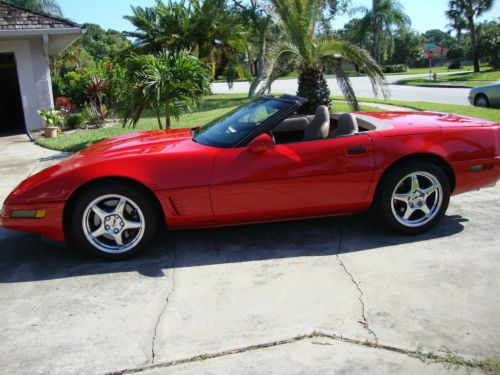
51	118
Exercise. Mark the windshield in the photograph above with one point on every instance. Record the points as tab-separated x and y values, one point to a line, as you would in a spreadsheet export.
228	130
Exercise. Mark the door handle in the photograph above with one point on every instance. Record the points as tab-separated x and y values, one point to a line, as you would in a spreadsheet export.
356	150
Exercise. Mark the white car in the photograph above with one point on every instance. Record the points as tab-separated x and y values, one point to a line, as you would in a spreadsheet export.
485	96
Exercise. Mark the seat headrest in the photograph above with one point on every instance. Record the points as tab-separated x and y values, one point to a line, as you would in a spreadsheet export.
319	127
322	113
346	125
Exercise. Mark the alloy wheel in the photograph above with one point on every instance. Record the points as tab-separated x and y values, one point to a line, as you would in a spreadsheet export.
113	223
417	199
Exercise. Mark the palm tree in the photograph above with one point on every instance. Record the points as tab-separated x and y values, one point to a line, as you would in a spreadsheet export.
207	28
457	22
159	27
220	38
471	9
299	19
172	81
380	21
45	6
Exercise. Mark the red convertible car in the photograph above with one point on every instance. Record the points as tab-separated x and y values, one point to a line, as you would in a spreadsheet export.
262	162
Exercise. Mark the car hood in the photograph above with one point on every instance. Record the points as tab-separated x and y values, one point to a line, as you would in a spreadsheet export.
139	143
134	155
494	86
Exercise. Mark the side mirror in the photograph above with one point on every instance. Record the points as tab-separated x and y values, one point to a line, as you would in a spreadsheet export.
261	143
192	131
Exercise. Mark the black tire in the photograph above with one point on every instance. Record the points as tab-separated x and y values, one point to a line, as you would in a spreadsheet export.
396	179
77	232
481	100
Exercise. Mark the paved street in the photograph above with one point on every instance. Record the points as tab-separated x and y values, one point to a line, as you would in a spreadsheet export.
363	89
262	299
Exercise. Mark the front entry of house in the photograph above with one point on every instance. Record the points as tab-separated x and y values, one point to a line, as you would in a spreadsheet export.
11	109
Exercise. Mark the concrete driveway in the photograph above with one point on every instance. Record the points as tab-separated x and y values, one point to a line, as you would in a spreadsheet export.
341	295
363	88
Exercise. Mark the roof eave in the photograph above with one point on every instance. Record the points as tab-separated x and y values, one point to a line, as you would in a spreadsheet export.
36	32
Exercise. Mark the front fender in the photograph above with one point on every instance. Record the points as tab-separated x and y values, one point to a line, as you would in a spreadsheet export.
155	171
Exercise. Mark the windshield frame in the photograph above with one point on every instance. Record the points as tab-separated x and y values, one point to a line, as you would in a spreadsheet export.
294	102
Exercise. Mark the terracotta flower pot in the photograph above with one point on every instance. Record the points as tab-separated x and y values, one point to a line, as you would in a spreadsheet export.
50	132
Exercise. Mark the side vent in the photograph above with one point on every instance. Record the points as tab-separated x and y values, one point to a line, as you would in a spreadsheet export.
174	205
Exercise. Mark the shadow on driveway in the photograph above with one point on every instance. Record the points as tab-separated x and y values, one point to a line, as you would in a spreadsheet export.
24	258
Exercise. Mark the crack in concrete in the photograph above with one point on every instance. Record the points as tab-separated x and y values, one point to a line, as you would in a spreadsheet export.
364	321
417	354
167	299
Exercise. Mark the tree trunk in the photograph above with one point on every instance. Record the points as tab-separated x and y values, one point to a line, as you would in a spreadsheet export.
313	86
473	41
375	32
259	76
158	118
167	115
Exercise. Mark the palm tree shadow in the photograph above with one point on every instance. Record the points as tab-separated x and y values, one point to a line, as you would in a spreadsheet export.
25	258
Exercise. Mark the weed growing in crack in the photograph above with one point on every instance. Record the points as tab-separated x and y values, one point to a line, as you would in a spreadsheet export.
201	357
453	361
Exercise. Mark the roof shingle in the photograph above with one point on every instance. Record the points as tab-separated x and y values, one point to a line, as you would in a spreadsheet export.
13	17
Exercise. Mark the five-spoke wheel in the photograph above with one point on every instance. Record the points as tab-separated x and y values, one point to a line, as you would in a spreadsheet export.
414	197
417	198
113	220
113	223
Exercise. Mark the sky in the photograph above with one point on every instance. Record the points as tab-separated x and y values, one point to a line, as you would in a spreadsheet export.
425	14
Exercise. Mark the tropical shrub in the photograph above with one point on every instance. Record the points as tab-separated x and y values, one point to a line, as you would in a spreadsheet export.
72	85
210	29
396	68
96	90
115	76
75	120
95	115
172	82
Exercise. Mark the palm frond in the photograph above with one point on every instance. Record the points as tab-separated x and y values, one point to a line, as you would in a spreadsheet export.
345	86
277	52
336	49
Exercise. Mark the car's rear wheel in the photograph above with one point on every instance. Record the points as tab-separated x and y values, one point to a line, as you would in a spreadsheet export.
481	100
414	198
113	221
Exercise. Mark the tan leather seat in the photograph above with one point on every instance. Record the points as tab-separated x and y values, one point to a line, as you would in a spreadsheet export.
346	125
319	127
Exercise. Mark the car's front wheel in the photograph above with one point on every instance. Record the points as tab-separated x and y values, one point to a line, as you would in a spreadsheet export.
114	221
482	101
414	198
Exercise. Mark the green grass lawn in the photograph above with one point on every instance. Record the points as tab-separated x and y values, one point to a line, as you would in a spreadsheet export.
213	106
466	110
460	79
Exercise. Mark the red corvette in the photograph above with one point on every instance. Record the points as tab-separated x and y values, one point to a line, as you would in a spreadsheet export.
262	162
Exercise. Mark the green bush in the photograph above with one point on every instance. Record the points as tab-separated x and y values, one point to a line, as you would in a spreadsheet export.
455	65
396	68
73	84
74	121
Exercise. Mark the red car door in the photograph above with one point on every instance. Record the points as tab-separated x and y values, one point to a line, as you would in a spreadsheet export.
292	180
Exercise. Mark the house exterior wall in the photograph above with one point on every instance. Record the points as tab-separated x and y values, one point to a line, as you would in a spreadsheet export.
34	77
